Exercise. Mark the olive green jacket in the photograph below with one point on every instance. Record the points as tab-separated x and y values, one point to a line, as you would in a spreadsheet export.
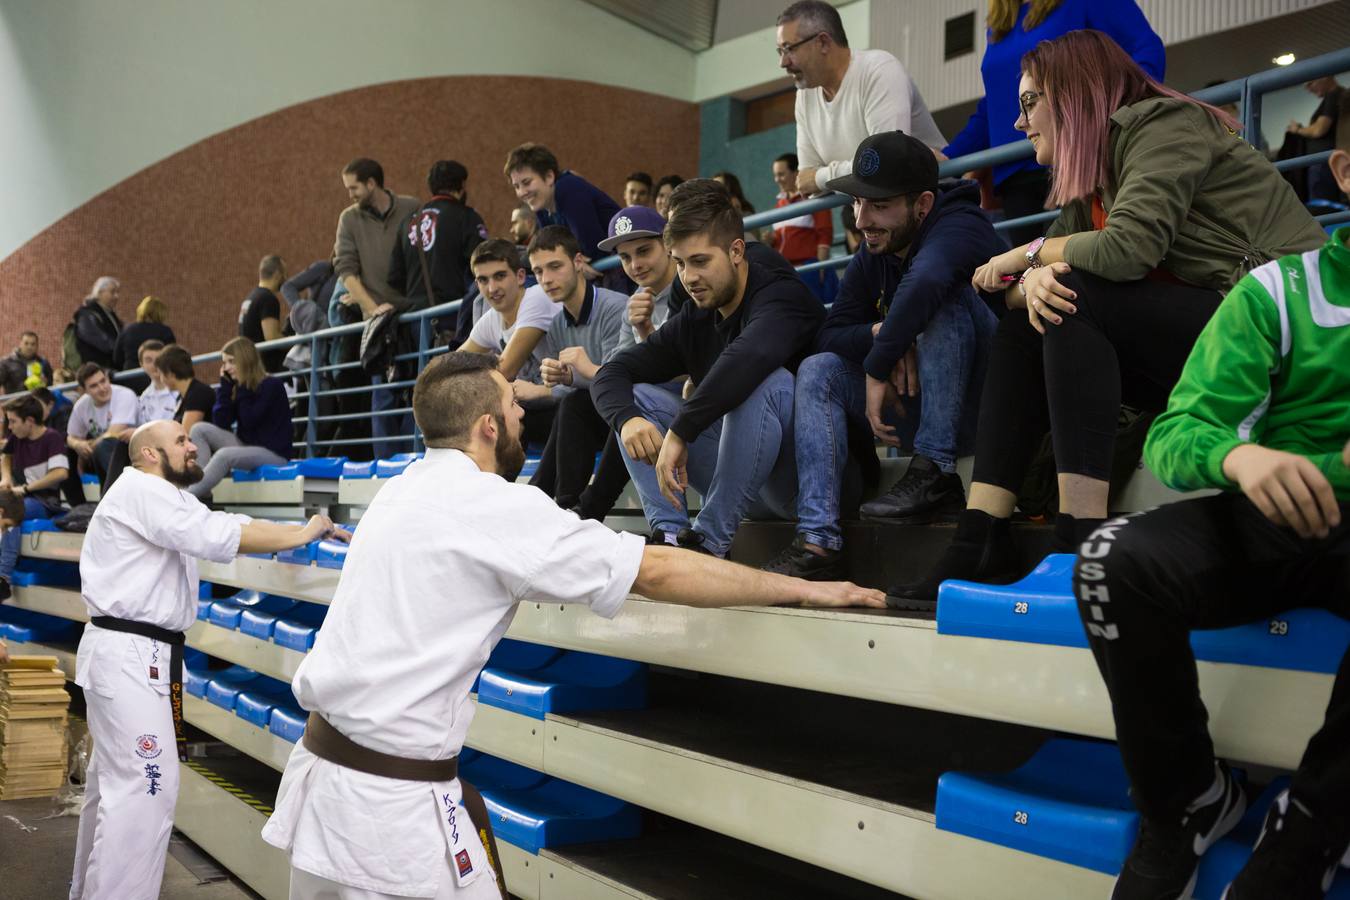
1186	195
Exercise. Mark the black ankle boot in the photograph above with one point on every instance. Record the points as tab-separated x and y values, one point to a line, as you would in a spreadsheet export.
1070	532
982	551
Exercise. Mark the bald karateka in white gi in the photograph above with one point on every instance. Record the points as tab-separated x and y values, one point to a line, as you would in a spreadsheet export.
443	556
138	572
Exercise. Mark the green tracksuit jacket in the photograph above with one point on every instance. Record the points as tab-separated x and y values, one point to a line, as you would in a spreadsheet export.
1272	367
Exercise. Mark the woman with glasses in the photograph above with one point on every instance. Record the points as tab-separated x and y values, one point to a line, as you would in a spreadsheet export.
1165	208
1016	26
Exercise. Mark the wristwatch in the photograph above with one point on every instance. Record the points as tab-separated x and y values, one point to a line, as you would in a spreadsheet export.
1033	253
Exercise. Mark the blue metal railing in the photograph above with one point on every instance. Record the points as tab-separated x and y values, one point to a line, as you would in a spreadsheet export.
1248	91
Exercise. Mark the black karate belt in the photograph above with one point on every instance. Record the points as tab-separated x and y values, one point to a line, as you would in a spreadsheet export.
175	640
326	742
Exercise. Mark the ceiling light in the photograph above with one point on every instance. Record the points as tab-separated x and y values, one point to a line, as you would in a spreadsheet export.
1284	59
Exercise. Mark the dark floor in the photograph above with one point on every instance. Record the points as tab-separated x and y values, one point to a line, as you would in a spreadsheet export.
36	853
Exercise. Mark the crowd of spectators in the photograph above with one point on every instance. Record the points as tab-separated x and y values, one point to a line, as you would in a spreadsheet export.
704	359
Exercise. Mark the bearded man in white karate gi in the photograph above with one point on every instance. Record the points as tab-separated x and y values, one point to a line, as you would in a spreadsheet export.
138	573
370	805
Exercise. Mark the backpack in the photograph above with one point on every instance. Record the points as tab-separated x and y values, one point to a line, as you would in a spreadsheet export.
70	350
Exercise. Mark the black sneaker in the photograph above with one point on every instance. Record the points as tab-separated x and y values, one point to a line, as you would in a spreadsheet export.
922	495
5	591
982	551
690	539
1292	859
795	560
1166	856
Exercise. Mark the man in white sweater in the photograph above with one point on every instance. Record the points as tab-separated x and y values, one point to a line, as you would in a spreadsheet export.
843	95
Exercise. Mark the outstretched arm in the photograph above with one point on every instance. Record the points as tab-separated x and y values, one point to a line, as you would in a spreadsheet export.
673	575
268	537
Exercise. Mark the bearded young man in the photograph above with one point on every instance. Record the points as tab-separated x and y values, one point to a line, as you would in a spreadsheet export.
740	341
387	685
903	350
138	574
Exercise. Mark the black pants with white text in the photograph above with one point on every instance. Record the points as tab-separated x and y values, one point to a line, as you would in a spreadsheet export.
1144	582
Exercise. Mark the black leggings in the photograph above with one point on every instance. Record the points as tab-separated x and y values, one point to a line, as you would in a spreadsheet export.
1144	582
1126	344
579	432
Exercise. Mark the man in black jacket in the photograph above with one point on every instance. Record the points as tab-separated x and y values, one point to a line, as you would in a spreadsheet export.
740	342
97	325
906	316
447	230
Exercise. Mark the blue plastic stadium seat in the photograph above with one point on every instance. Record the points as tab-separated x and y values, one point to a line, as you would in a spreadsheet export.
241	475
358	470
1041	609
24	625
1226	858
531	466
256	702
535	812
204	609
89	478
297	628
1069	802
518	656
287	721
49	572
223	687
322	466
33	526
288	472
304	555
225	614
330	554
260	619
394	465
195	679
573	682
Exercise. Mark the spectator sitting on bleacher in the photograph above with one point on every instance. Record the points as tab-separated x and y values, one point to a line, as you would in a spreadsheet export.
32	468
513	326
158	400
195	398
577	343
99	419
56	408
1260	413
149	326
905	347
645	260
254	404
740	342
1165	206
25	369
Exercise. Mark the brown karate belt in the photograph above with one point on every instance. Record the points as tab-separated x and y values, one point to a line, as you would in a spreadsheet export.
326	742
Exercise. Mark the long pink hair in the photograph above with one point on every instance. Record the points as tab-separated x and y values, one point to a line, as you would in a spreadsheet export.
1085	77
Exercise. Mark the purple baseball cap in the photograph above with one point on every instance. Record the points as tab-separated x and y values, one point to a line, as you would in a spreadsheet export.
633	222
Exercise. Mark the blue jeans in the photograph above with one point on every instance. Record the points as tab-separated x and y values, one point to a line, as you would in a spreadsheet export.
953	353
388	426
742	463
10	541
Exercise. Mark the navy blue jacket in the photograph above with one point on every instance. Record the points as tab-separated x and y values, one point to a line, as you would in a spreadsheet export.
956	238
263	416
583	208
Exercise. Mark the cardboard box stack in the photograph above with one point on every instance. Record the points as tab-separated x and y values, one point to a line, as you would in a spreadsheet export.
33	709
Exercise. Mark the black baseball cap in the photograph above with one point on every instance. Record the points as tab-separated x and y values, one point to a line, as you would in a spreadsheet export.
888	165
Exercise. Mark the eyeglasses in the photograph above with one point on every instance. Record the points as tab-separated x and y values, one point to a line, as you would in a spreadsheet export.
787	50
1028	100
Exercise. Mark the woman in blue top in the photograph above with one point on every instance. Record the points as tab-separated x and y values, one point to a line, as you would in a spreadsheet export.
255	405
1015	26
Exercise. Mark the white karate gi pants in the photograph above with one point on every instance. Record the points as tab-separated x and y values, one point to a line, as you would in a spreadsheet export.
131	787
